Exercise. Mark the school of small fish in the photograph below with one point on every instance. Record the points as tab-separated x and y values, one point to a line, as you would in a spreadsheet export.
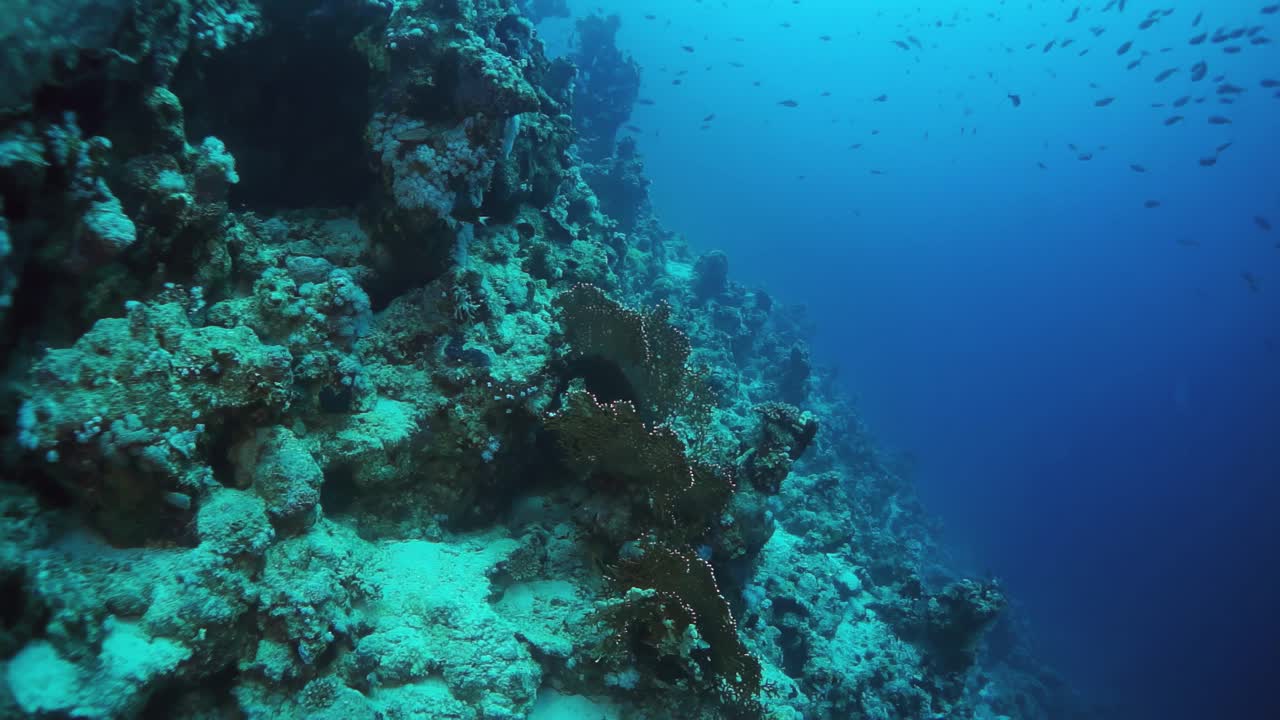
1228	40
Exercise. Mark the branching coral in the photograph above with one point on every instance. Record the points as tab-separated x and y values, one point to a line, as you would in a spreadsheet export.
633	355
665	492
673	614
785	433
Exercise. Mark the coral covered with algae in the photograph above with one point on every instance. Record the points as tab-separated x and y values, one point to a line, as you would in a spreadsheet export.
346	388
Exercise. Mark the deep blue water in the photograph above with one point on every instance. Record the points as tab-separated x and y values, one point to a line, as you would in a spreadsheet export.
1090	387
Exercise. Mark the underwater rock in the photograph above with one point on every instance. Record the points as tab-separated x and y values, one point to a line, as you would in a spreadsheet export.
712	275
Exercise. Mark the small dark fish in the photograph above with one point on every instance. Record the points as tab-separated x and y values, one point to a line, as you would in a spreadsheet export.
824	38
709	118
902	45
1133	64
1231	49
915	41
789	103
1188	242
1229	89
1124	48
1251	280
1269	83
1223	147
855	146
1164	74
1047	46
1085	157
1174	120
1271	9
1103	102
879	172
1074	14
1262	223
1198	71
1209	161
1015	99
1196	22
1219	120
1199	38
644	101
1182	101
1042	166
881	98
687	48
1151	204
1137	168
1147	23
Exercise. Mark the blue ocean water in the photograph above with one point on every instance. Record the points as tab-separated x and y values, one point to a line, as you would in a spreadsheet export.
1088	386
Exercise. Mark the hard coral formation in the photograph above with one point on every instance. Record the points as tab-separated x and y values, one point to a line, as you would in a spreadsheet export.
345	388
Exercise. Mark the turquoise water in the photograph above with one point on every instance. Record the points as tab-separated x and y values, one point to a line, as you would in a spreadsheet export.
547	360
1088	386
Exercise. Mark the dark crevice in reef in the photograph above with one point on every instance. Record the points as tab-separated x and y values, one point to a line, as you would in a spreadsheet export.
339	492
604	379
296	130
162	704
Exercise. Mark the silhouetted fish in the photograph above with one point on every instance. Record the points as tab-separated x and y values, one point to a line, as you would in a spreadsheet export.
1181	101
1173	120
1124	48
1137	168
1262	223
789	103
880	98
1015	99
1219	120
1103	102
1209	161
1199	38
1251	280
1164	74
1151	204
1199	70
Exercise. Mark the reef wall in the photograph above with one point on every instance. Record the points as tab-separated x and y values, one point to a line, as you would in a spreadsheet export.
348	373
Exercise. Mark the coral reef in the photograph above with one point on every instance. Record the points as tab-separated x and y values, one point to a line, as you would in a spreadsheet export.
338	385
